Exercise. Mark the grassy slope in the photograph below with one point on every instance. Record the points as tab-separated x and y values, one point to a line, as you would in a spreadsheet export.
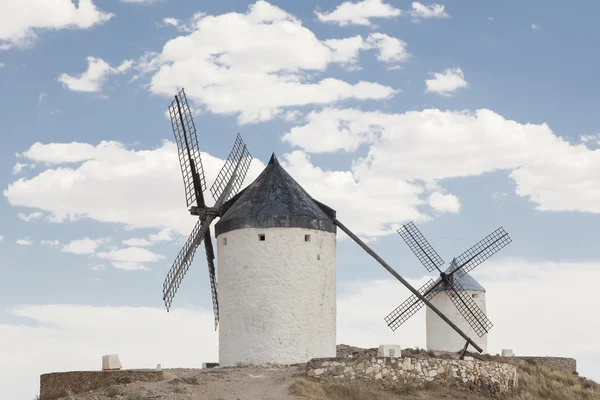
535	383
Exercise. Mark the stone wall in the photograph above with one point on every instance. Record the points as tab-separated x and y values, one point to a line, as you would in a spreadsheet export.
563	364
61	384
490	377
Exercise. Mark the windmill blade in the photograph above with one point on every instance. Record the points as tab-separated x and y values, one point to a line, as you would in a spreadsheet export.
411	305
483	250
469	309
235	169
188	150
183	261
420	247
210	258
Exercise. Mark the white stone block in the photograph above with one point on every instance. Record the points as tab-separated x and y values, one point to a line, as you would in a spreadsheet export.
389	350
468	358
507	353
111	362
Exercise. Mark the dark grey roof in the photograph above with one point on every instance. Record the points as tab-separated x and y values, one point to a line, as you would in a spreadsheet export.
466	281
274	199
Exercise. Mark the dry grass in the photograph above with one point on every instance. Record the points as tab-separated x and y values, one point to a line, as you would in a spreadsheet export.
535	383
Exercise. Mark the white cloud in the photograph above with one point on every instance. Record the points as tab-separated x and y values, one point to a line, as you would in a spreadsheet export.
535	27
1	238
165	235
359	13
446	82
21	21
390	49
420	11
94	78
53	243
18	168
256	64
129	266
444	202
41	97
137	242
131	255
31	217
84	246
110	183
171	21
25	242
431	145
519	294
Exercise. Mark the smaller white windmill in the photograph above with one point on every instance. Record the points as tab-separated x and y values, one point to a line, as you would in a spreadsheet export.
455	293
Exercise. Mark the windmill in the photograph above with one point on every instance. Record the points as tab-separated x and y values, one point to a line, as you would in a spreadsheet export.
225	186
449	281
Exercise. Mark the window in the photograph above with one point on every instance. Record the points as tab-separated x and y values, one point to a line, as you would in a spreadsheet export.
261	237
474	296
224	241
307	238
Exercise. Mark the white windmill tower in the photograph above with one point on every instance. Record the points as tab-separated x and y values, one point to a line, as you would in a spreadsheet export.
440	336
276	257
456	294
276	245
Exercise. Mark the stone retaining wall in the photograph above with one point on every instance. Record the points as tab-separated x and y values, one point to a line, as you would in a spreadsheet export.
62	384
490	377
563	364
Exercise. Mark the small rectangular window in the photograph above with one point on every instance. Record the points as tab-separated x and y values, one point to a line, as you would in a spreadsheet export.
474	296
307	238
261	237
224	241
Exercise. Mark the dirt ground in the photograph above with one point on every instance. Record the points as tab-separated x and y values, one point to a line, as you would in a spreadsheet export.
240	383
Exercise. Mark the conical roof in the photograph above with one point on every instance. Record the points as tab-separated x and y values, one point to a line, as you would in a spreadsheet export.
275	199
466	281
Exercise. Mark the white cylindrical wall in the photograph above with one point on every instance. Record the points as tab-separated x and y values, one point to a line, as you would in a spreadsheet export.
277	297
440	336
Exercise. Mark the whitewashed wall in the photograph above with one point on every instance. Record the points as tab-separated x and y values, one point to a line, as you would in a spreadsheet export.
440	336
277	298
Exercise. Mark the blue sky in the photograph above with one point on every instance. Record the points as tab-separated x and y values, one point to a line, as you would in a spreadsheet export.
462	116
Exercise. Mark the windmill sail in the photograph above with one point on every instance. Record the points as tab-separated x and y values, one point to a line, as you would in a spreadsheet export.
420	247
469	309
481	251
183	261
233	171
411	305
188	150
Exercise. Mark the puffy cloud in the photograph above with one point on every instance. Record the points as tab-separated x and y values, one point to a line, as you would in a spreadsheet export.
444	202
137	242
446	82
420	11
359	13
53	243
24	242
20	21
131	254
535	27
84	246
519	294
31	217
86	174
431	145
18	168
257	63
94	78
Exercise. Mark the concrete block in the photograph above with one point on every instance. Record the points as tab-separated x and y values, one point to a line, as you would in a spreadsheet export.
209	365
389	350
507	353
111	362
468	358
